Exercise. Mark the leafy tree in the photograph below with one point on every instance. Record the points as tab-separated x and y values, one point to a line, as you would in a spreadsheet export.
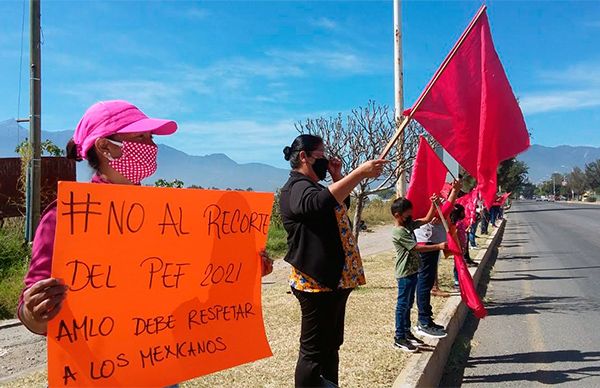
577	181
592	175
528	189
51	148
47	146
164	183
512	174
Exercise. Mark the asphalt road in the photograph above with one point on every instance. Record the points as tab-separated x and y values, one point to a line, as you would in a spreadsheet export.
543	301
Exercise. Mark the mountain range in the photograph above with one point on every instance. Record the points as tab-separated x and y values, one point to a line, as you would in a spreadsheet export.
218	170
215	170
543	161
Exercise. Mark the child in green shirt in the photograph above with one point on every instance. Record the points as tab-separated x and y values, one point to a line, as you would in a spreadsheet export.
407	267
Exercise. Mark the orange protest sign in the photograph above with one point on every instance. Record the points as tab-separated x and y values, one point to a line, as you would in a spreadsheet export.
164	284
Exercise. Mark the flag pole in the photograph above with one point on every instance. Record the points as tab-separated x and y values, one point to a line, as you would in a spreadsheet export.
399	92
449	172
442	218
436	76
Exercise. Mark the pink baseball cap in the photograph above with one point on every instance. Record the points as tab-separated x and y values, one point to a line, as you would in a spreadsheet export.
107	118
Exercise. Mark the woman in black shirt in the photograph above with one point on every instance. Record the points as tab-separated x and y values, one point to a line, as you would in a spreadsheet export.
326	263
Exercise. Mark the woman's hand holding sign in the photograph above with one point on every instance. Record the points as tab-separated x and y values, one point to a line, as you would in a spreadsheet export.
41	303
266	263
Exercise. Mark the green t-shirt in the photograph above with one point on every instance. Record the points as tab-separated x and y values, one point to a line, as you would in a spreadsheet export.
407	260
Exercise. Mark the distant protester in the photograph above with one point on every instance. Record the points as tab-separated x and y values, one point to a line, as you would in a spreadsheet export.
457	217
325	260
473	230
458	228
484	215
495	210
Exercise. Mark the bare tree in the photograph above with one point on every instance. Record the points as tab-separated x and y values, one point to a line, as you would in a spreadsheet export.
361	136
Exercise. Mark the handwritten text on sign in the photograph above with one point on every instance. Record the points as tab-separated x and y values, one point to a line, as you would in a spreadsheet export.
164	284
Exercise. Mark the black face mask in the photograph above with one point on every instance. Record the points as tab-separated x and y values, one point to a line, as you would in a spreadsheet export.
320	167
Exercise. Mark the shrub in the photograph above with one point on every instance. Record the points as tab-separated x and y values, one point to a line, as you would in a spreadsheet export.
14	259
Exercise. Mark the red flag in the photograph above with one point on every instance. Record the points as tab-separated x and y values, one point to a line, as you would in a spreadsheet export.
469	202
465	281
447	208
428	176
470	109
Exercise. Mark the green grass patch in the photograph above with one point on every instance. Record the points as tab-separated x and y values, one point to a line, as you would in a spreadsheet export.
276	241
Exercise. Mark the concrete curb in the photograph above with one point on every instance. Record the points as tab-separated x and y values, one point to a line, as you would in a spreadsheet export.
581	203
9	323
425	369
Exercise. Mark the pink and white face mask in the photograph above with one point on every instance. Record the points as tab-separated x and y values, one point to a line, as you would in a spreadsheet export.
137	162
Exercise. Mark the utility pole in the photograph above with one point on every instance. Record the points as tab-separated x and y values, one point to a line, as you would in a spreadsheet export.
399	92
35	125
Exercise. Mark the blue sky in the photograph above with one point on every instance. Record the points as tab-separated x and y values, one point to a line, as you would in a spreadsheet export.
237	75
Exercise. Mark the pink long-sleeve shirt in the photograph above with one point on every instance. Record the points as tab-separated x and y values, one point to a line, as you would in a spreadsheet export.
42	249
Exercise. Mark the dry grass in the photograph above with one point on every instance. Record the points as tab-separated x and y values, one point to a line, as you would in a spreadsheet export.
376	212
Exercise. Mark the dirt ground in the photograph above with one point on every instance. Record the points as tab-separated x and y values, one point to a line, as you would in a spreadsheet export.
367	357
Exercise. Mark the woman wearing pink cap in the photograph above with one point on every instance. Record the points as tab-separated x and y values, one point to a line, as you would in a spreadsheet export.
115	137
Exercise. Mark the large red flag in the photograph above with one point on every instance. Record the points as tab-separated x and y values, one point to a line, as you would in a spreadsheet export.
470	109
428	177
468	292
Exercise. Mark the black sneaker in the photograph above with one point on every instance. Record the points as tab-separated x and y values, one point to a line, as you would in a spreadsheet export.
433	324
431	331
414	340
405	345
